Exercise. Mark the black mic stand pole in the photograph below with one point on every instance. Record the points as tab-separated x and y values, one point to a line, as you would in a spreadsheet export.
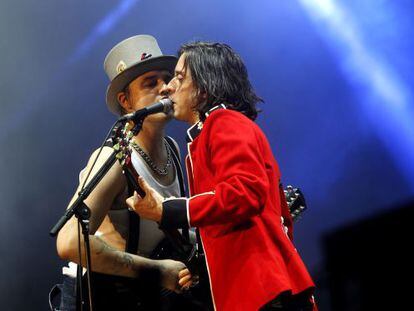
83	213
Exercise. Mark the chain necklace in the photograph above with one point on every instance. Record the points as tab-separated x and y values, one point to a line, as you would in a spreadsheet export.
160	171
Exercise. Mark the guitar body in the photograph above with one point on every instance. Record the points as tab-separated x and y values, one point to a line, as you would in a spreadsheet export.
199	294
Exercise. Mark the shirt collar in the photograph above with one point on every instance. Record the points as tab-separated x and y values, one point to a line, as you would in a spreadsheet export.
195	129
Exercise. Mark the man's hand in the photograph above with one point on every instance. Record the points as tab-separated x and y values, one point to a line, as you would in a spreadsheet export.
185	279
174	275
149	207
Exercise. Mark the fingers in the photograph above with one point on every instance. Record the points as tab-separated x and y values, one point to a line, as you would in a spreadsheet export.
183	273
185	281
136	197
149	190
144	185
133	200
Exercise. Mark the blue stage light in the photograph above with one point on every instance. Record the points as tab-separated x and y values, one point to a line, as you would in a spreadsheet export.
383	97
102	28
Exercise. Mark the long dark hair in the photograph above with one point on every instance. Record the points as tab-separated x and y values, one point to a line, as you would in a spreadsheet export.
220	74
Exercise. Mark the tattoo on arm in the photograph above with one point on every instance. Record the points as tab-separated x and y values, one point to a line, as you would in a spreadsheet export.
103	246
126	260
122	261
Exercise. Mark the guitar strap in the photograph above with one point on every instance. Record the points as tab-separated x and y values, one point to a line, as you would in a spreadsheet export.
179	170
134	222
177	162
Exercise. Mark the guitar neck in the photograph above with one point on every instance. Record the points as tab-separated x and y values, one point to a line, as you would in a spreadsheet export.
132	177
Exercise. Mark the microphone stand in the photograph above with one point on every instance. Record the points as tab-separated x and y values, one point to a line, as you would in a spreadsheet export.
83	213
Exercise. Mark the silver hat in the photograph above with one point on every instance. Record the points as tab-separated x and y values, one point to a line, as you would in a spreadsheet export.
129	59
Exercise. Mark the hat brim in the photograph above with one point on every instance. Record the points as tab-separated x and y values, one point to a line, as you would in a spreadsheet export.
118	84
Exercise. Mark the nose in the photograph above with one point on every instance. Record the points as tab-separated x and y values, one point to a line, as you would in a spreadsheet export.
170	88
164	90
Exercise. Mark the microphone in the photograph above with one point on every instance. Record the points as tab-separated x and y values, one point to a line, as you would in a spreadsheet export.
164	105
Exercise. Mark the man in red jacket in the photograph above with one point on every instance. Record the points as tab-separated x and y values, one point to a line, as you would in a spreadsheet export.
235	200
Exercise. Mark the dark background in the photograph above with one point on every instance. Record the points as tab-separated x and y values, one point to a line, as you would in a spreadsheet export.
336	76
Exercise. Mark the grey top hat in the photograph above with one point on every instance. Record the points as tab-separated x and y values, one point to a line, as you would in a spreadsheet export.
129	59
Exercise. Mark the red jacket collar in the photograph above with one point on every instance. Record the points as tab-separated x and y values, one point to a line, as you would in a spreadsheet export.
195	129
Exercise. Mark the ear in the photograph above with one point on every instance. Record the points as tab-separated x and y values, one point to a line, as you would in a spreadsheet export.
202	96
123	101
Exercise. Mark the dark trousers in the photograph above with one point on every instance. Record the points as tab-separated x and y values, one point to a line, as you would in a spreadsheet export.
117	293
62	297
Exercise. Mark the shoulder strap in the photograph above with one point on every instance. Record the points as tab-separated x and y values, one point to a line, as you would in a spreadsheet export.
179	170
177	162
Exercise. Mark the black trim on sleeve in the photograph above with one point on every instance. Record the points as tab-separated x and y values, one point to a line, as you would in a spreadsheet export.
174	214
